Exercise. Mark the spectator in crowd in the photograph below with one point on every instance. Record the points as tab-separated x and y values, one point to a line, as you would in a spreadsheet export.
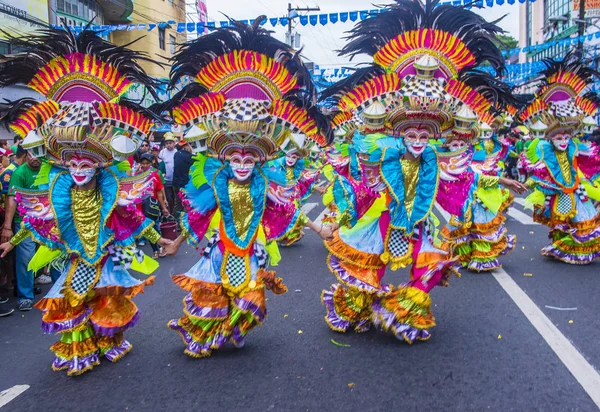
157	163
183	163
17	141
7	263
23	178
155	204
4	149
167	155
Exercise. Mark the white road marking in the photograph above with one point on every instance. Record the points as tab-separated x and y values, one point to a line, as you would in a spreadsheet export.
306	208
579	367
11	393
520	216
447	216
557	308
520	201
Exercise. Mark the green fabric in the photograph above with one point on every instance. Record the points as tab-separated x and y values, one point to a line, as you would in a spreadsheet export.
123	166
42	258
535	198
531	151
492	198
198	177
146	266
77	336
43	177
22	178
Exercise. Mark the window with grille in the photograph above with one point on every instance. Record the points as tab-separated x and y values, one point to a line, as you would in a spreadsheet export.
161	39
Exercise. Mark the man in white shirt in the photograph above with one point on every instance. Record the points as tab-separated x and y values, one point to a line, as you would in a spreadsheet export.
167	155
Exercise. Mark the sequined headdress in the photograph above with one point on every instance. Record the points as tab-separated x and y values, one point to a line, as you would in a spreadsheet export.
561	102
250	92
82	77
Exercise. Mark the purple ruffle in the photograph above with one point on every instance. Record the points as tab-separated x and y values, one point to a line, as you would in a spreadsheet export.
248	306
349	280
194	348
387	320
200	312
491	238
556	253
56	327
117	352
76	365
477	266
594	234
237	338
333	320
511	242
101	330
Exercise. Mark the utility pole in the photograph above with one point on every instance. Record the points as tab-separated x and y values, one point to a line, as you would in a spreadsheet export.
581	24
290	18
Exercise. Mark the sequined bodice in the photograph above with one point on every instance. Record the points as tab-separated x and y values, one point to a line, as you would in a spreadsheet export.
85	207
410	170
242	207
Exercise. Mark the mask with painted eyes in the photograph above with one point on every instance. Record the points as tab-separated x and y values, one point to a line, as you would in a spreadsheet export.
561	142
242	165
416	141
456	145
291	159
486	135
372	177
82	170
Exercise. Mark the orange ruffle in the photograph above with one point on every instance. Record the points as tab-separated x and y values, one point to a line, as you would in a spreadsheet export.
123	291
70	350
108	342
352	305
405	302
272	283
190	285
496	249
579	250
112	311
346	253
583	228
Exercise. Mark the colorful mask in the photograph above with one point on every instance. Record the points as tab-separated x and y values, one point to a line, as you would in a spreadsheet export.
561	141
291	159
242	165
82	170
456	145
416	141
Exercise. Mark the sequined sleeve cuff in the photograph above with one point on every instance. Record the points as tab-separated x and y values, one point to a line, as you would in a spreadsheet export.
20	236
152	235
488	182
530	183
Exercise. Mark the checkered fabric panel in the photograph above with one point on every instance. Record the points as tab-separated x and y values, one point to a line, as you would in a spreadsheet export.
211	243
398	243
243	110
83	278
565	204
122	257
236	270
261	255
423	88
567	109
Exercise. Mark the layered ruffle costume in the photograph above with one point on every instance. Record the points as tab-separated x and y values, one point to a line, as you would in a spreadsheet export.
469	190
386	217
89	234
248	100
563	176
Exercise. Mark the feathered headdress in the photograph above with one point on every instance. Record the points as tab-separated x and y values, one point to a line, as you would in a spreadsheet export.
83	78
424	45
561	101
251	91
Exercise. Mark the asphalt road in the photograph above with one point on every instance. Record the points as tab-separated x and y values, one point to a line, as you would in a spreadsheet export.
484	354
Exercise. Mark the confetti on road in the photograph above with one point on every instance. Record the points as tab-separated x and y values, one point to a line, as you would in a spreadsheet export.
343	345
499	336
300	332
286	315
351	385
570	321
557	308
528	274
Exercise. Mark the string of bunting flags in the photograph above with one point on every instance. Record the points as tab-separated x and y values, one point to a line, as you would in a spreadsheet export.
304	20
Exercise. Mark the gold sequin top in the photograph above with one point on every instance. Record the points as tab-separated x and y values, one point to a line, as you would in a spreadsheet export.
565	166
85	207
410	170
488	145
243	208
20	236
289	174
488	182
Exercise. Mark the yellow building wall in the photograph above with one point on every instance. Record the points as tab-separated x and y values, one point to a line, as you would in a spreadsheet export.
153	11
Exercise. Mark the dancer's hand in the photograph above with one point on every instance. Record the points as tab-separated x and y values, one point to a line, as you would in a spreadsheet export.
6	247
7	234
326	232
513	185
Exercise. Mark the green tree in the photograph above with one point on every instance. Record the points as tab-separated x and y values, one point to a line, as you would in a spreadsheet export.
507	42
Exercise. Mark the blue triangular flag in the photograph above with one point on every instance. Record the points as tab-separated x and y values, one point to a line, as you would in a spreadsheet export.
304	20
323	19
344	17
314	19
353	15
333	17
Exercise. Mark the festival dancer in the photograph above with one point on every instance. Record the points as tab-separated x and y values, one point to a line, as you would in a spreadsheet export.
84	213
419	46
564	169
254	102
475	200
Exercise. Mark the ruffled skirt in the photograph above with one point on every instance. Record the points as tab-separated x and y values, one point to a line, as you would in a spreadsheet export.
90	314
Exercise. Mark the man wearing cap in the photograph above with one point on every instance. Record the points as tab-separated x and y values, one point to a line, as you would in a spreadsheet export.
168	156
181	174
